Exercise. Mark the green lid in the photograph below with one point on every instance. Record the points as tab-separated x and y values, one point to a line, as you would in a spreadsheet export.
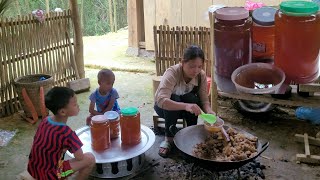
130	111
299	8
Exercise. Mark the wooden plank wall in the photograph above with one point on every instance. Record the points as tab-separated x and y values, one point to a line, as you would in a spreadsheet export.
182	13
171	42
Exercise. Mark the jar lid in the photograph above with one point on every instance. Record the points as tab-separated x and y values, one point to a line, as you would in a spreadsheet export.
130	111
264	16
99	119
299	8
232	13
111	115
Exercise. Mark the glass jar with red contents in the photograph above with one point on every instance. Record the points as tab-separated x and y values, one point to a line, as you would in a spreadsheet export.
100	133
114	121
297	40
263	34
232	43
130	126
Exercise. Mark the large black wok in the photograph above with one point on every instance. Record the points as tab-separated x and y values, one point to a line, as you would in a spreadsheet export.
187	138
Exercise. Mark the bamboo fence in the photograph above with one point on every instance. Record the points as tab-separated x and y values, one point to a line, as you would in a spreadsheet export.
30	47
170	44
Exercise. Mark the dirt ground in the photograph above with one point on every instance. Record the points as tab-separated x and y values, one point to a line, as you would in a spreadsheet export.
135	89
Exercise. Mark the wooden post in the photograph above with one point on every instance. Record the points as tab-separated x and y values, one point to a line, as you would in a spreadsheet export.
78	41
47	6
214	89
134	25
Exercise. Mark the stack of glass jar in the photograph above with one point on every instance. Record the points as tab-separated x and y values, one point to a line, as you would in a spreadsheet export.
297	40
130	126
263	35
232	39
105	128
114	120
100	133
289	36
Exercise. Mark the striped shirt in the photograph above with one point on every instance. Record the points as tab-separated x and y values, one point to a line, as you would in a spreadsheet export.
51	141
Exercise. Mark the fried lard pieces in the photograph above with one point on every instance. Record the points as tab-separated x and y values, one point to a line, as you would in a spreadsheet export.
215	147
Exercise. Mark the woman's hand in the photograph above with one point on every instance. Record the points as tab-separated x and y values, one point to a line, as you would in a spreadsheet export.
208	110
193	108
211	112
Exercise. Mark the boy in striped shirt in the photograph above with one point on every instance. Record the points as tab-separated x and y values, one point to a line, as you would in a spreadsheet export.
53	138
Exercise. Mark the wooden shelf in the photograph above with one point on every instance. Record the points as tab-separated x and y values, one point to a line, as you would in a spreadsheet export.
294	100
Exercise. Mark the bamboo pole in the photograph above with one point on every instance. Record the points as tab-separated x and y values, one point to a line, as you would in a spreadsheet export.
110	16
47	6
214	89
78	41
115	15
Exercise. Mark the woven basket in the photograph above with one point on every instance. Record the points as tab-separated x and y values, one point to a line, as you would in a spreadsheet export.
32	84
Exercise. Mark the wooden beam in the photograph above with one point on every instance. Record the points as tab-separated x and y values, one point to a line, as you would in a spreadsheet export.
135	22
295	100
312	140
312	87
142	45
78	41
140	17
132	24
306	145
313	159
214	89
149	22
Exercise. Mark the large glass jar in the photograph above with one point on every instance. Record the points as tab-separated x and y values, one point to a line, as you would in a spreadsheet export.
100	133
130	126
232	42
263	34
297	40
114	120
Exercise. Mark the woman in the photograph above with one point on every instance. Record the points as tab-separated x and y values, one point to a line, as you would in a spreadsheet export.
182	93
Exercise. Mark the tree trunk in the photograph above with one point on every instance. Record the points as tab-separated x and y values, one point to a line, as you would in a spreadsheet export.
115	15
26	2
78	41
47	6
18	7
81	15
110	16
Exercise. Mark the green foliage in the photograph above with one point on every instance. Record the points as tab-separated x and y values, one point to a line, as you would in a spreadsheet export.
95	13
4	6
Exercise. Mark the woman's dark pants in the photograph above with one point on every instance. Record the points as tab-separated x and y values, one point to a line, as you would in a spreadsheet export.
171	117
